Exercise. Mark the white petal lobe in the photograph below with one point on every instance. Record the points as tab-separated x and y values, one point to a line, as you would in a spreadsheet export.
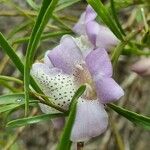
91	120
59	87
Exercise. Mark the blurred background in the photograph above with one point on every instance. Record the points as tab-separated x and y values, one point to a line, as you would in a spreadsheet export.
17	18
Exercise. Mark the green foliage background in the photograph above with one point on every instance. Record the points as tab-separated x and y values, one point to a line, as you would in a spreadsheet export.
30	27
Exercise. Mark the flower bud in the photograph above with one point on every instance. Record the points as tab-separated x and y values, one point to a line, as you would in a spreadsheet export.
142	67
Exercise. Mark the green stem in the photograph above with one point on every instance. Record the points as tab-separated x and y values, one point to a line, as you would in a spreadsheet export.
43	37
118	50
8	78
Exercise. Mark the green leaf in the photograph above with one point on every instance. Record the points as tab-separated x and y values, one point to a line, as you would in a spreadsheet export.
8	78
32	120
12	99
41	21
8	86
65	142
118	50
19	28
114	13
104	14
33	4
120	4
43	37
65	3
15	59
9	107
11	53
138	119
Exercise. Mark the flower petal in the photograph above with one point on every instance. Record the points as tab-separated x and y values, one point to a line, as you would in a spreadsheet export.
47	61
105	38
108	90
85	17
79	27
99	35
56	85
99	64
92	30
142	67
66	55
90	14
42	66
91	120
84	45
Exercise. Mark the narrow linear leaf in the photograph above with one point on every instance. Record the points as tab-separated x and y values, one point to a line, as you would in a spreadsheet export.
33	4
18	28
138	119
114	13
15	59
65	3
11	98
118	50
104	14
8	86
11	53
17	104
120	4
14	99
42	19
8	78
9	107
43	37
32	120
65	142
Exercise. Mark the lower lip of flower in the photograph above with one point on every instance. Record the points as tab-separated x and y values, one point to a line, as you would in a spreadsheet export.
83	76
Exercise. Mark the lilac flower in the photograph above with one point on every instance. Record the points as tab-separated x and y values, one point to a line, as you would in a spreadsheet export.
99	35
142	67
62	72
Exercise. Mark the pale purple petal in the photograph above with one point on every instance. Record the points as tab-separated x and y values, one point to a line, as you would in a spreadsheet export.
91	120
108	90
66	55
142	67
99	64
58	122
90	14
92	30
99	35
105	38
79	27
47	61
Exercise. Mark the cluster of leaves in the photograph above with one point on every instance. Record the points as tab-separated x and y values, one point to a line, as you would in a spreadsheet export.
43	29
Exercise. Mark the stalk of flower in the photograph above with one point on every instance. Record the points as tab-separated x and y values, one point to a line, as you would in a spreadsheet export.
75	62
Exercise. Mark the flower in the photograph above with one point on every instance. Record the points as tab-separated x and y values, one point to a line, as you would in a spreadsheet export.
99	35
142	67
74	62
